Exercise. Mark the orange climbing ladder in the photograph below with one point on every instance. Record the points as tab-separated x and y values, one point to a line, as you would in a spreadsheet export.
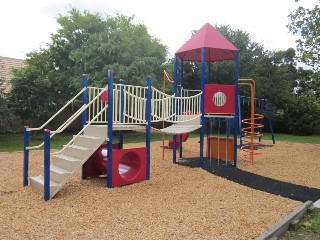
251	127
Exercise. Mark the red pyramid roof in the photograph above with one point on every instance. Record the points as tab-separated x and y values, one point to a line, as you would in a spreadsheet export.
217	47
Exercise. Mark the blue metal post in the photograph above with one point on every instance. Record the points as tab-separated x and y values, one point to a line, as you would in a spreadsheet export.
262	107
181	86
84	99
148	123
175	88
46	164
236	117
110	127
270	120
26	139
84	117
203	78
240	119
209	70
121	112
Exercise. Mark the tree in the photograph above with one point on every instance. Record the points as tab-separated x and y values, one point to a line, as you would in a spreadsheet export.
303	115
306	23
85	43
8	121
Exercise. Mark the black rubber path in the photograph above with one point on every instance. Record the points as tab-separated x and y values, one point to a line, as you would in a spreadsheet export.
284	189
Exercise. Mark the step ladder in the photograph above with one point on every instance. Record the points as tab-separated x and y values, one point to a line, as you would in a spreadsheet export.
71	158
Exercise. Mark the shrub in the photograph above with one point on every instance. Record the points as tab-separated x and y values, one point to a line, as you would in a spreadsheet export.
304	115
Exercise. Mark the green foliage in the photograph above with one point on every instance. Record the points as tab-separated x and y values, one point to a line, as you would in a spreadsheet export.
9	122
85	43
309	229
304	115
306	23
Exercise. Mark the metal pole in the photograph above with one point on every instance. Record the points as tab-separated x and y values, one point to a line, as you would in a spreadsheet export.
26	140
110	127
46	164
84	118
148	124
121	112
203	77
236	117
175	89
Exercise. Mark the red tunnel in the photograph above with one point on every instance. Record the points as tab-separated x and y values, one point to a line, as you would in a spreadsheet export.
128	165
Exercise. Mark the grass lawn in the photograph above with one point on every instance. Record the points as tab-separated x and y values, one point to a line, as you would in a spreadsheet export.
309	229
14	142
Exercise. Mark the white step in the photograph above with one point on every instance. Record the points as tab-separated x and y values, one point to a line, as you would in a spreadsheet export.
97	131
66	162
87	141
58	174
77	151
38	183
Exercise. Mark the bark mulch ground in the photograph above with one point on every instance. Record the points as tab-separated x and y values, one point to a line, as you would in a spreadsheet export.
178	202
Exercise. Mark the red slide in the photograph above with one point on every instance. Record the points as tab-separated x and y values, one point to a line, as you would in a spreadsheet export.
185	137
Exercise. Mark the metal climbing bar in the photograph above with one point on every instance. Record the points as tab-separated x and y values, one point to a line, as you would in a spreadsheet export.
251	126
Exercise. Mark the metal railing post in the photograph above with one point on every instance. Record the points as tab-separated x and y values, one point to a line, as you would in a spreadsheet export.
26	140
46	164
84	99
110	128
121	112
84	117
148	123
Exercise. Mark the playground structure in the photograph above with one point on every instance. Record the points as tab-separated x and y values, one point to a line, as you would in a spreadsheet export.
119	107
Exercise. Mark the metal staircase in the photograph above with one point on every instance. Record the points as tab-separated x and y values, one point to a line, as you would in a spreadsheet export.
70	159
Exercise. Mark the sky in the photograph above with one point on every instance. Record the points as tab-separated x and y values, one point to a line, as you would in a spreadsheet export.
26	26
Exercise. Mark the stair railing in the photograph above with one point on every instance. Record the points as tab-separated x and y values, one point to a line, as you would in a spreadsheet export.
70	120
57	113
82	130
47	136
62	127
59	130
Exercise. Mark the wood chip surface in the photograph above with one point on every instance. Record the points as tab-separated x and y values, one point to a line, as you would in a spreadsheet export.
177	203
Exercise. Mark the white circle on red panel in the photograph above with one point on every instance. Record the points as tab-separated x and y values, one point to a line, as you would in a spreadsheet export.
219	99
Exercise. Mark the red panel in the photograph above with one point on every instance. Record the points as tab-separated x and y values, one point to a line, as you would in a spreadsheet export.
104	97
219	99
185	137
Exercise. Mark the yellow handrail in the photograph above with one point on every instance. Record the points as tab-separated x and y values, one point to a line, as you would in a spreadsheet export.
61	109
82	130
70	120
